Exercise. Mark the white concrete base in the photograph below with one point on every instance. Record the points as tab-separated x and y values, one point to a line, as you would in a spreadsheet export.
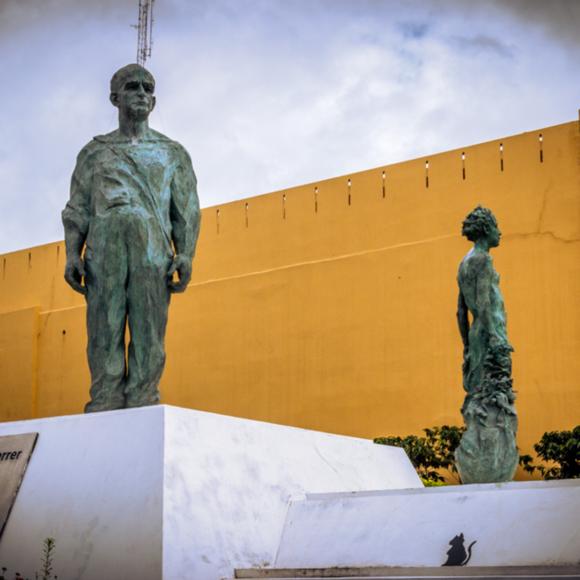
164	492
513	524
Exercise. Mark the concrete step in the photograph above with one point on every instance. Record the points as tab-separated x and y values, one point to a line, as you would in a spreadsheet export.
388	573
532	523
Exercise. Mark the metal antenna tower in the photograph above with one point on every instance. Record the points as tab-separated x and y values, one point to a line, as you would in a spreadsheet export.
145	31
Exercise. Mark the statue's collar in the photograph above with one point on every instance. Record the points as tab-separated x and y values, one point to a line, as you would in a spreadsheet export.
115	137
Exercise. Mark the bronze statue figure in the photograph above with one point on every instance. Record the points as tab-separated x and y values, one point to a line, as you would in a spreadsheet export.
487	452
132	221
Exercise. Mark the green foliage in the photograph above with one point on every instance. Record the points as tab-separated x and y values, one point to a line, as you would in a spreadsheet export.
526	463
561	449
431	483
434	452
431	453
47	557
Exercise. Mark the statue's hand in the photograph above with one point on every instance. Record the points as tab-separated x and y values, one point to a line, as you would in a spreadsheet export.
74	273
181	265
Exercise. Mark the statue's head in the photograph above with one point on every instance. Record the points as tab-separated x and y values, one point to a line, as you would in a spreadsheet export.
132	89
481	224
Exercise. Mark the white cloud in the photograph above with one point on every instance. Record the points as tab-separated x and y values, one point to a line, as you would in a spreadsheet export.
267	95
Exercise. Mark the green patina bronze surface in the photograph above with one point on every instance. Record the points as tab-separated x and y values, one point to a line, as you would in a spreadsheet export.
487	452
131	223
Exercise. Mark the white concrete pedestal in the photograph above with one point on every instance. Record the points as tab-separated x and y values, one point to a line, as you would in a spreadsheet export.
533	523
164	492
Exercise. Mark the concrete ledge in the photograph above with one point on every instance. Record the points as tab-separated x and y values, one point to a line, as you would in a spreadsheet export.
379	572
509	524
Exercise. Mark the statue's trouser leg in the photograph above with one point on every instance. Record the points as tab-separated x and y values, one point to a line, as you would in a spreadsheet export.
148	302
106	277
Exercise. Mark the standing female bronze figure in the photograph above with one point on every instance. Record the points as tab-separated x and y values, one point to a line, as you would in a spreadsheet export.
488	451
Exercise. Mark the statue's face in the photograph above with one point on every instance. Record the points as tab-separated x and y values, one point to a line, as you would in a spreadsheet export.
135	97
494	237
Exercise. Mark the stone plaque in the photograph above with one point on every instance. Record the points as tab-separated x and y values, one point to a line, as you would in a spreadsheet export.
15	452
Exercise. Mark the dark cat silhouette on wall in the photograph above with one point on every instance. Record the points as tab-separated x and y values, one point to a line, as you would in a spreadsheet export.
457	555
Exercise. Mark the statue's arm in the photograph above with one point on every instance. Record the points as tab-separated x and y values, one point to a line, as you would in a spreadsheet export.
462	319
75	218
483	290
185	218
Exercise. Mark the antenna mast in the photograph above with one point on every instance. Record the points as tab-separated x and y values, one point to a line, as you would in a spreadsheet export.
145	31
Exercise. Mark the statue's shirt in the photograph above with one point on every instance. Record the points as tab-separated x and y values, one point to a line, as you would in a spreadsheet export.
149	181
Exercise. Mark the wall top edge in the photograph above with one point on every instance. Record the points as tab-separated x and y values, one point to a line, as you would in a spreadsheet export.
31	248
429	156
393	164
237	202
469	489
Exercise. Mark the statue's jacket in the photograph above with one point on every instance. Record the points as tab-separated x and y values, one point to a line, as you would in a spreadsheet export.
147	187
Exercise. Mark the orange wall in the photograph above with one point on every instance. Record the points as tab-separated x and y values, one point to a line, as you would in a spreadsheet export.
308	310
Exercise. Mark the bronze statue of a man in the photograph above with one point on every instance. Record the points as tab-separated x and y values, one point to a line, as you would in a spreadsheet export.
487	452
132	221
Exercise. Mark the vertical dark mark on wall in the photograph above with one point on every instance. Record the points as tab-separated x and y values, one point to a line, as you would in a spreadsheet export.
463	165
29	260
246	208
427	173
283	206
217	220
501	156
4	269
541	142
316	200
349	184
384	184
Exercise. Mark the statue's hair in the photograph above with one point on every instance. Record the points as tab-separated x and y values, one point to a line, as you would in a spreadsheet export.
478	223
119	77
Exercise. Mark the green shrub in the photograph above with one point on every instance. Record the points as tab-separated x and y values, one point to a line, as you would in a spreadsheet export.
561	449
435	451
431	453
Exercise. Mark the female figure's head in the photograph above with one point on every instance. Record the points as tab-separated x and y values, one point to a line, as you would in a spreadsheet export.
481	226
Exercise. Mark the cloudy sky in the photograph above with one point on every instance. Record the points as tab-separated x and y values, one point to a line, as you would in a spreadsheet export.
267	94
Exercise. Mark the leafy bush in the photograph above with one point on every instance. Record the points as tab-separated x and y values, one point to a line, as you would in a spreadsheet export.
561	449
431	453
435	451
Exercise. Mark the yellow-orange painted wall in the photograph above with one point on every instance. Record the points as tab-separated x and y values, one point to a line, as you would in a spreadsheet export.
19	363
312	310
